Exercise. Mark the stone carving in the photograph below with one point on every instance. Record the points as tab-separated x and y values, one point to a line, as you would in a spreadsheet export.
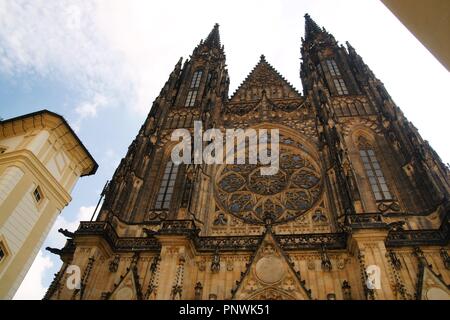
270	269
331	296
389	206
215	263
395	260
177	288
346	290
198	291
326	262
114	264
230	265
201	265
341	263
319	217
221	220
153	283
445	258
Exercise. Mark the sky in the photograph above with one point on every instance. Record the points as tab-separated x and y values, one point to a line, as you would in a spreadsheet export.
100	64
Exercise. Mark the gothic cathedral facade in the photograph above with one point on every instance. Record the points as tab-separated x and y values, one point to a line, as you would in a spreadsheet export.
359	208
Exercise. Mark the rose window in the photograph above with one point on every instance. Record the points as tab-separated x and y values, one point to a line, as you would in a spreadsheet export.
242	191
267	184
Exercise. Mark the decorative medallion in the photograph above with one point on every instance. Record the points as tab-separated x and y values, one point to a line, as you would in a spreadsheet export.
270	269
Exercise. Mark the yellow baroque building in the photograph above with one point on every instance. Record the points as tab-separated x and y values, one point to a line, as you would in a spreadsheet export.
41	159
359	208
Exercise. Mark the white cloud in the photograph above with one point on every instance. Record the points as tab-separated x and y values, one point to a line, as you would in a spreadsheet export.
59	41
33	288
54	38
90	108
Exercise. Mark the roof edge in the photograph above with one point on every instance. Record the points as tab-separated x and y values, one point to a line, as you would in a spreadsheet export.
64	121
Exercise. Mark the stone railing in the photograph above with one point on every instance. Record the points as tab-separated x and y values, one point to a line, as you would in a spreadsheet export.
314	241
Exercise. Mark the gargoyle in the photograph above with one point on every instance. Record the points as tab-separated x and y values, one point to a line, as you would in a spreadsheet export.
54	251
66	232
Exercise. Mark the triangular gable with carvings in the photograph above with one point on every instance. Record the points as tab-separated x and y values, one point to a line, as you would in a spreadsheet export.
270	275
430	286
128	287
265	78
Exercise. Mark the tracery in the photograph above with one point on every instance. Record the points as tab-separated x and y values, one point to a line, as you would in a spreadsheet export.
242	191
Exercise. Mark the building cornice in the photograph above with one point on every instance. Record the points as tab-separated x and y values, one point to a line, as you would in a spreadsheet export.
45	119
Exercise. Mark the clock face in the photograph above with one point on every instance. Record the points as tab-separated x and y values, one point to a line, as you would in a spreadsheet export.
242	191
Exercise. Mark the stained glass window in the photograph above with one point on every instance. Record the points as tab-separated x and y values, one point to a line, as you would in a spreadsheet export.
332	66
193	89
374	173
166	188
340	86
338	81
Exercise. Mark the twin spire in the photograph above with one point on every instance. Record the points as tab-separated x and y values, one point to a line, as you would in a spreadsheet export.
213	41
311	30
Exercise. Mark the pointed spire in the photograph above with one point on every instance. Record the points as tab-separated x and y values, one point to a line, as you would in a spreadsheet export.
350	48
177	67
180	61
213	39
311	28
358	61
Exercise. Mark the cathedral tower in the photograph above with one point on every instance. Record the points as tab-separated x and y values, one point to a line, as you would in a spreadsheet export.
357	210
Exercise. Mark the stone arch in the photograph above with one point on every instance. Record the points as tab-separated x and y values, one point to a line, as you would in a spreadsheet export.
352	124
360	131
364	138
153	180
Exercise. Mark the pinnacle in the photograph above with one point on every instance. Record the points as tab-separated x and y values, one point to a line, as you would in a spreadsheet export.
311	27
213	39
351	50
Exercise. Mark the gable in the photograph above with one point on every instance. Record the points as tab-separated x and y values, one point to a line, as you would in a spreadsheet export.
270	275
430	286
128	287
264	78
